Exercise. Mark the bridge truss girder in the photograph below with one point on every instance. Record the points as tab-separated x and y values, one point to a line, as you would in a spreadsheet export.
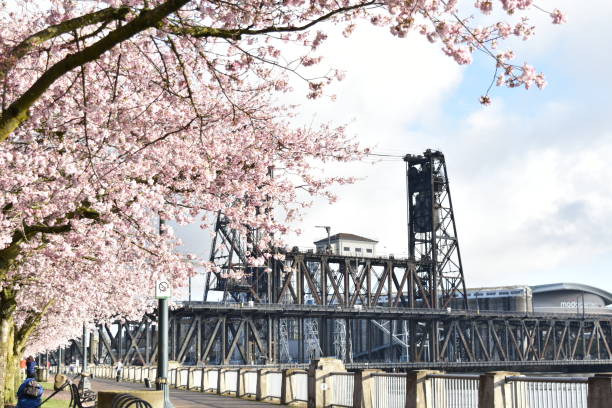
230	334
322	279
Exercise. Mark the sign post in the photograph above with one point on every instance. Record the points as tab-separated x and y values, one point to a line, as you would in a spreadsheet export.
163	291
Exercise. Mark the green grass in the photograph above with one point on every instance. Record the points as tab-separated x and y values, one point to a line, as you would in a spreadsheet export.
55	402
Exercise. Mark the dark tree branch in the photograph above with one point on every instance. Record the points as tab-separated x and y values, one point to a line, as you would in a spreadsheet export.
20	50
18	111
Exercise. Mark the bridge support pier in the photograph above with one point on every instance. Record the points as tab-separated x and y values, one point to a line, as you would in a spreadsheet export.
318	372
494	391
363	389
600	391
418	389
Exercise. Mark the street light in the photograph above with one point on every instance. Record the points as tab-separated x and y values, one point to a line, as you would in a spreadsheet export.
163	291
327	228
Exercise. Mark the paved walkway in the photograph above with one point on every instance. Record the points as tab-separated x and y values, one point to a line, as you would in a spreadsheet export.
182	398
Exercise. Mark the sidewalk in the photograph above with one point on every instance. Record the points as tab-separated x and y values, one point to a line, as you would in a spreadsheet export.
182	398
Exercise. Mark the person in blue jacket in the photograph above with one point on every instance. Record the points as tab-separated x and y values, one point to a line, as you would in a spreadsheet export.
30	367
29	401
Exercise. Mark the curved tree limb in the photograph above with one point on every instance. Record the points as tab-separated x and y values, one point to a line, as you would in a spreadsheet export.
21	49
18	111
237	33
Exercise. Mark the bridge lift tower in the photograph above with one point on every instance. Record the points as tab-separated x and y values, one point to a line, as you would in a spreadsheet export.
432	277
432	233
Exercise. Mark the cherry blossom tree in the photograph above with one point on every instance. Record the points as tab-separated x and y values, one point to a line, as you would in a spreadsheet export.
116	113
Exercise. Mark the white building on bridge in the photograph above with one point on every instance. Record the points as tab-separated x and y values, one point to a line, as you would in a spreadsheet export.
347	244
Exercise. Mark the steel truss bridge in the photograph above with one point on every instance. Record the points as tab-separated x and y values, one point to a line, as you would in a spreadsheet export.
393	332
369	312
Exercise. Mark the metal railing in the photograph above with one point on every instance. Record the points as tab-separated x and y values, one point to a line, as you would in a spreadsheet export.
229	380
454	390
385	390
339	388
389	390
249	383
182	378
548	392
195	379
297	384
212	380
275	383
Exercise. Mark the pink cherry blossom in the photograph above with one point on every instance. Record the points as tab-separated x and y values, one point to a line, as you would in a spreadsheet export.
558	17
116	113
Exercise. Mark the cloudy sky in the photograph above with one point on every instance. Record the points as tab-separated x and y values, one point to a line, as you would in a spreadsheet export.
530	179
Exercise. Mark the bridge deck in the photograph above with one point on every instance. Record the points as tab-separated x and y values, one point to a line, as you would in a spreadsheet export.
365	312
182	398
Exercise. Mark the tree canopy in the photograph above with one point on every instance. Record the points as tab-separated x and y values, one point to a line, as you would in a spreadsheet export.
117	112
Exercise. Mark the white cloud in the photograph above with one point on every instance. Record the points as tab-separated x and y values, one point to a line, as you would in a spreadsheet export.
530	180
531	187
531	194
390	85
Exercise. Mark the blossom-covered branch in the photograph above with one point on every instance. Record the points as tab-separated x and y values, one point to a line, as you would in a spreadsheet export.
117	112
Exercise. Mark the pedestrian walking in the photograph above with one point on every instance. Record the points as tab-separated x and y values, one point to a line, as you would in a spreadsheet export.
119	369
30	367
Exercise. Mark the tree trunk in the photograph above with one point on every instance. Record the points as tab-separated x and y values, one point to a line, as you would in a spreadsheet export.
8	362
7	342
13	377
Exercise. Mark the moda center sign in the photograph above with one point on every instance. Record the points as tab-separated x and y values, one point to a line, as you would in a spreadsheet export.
573	304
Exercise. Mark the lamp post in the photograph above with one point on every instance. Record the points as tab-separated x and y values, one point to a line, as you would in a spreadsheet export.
328	229
163	291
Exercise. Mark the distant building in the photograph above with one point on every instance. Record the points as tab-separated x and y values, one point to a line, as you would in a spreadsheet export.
570	298
347	244
503	298
551	298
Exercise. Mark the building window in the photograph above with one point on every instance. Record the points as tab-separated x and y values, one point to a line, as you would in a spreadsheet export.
347	248
369	250
357	249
